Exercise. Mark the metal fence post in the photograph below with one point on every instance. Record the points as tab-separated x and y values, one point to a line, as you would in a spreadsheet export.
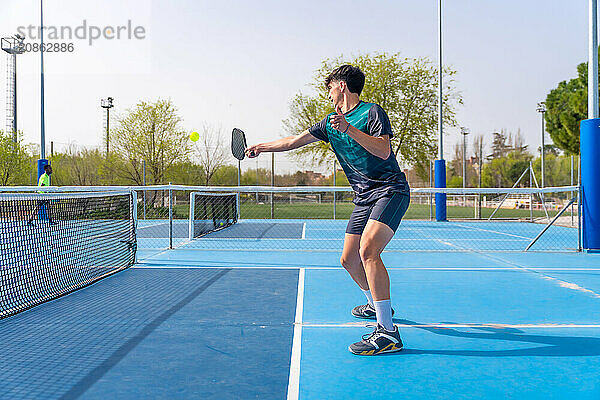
572	183
334	184
531	195
430	195
144	168
170	217
272	183
579	208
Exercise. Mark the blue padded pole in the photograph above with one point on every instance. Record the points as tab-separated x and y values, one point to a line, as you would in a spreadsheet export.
440	198
41	163
590	182
42	212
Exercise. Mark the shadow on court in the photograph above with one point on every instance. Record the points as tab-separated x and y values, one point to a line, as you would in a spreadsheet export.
552	346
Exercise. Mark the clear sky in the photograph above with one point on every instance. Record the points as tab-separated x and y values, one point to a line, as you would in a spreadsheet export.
238	63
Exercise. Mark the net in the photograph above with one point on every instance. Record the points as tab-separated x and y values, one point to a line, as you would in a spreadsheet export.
487	219
210	212
54	243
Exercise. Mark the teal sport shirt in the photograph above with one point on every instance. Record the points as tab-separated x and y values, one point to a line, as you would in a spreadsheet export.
370	176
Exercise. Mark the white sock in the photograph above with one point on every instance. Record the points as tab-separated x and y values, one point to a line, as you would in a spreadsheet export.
368	296
383	308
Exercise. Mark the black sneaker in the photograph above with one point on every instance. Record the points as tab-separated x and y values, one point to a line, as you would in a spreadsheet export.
378	342
366	311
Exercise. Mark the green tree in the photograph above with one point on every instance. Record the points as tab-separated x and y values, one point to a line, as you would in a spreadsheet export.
557	168
504	171
249	177
210	152
340	179
455	182
226	175
150	132
405	87
78	167
186	173
15	161
566	106
501	144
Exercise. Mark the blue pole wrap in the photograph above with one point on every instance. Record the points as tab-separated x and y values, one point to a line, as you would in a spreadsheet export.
590	182
41	163
440	182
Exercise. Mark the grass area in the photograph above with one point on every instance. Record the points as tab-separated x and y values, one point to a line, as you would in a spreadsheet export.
306	210
343	211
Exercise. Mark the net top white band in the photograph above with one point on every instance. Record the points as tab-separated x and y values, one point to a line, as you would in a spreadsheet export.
60	195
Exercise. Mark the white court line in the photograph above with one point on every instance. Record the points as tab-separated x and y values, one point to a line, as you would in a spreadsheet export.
294	381
467	325
559	282
341	238
160	264
304	230
496	232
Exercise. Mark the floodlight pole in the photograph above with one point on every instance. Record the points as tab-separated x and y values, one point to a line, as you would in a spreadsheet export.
13	48
42	162
464	131
589	189
107	104
541	108
43	125
593	61
440	164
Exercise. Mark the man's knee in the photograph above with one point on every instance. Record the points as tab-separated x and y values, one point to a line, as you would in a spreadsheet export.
349	262
368	252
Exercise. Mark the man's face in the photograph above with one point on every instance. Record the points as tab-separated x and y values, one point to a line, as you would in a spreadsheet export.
336	90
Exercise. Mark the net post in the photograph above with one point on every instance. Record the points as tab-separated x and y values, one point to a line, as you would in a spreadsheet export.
134	207
191	218
134	211
237	205
590	183
440	198
170	216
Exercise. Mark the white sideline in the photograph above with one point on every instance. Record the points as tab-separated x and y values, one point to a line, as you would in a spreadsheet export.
294	381
466	325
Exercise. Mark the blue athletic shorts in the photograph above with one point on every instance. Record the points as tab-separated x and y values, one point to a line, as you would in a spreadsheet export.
388	209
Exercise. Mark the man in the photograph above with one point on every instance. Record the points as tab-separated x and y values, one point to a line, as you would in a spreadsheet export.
43	204
359	134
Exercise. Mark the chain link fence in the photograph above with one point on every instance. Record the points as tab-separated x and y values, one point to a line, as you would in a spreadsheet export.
314	218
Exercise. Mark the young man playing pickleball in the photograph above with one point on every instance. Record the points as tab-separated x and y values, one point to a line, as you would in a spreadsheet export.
359	134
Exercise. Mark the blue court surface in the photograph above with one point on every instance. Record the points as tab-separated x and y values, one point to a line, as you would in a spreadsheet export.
229	316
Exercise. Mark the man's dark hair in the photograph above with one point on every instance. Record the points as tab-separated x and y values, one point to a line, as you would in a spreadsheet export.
47	167
353	76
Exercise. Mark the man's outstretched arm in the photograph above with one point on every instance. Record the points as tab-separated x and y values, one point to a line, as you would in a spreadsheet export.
284	144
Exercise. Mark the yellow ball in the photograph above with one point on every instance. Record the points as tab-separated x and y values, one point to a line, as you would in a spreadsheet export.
194	136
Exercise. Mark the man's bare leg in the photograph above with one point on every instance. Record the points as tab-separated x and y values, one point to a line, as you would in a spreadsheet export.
351	260
374	239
